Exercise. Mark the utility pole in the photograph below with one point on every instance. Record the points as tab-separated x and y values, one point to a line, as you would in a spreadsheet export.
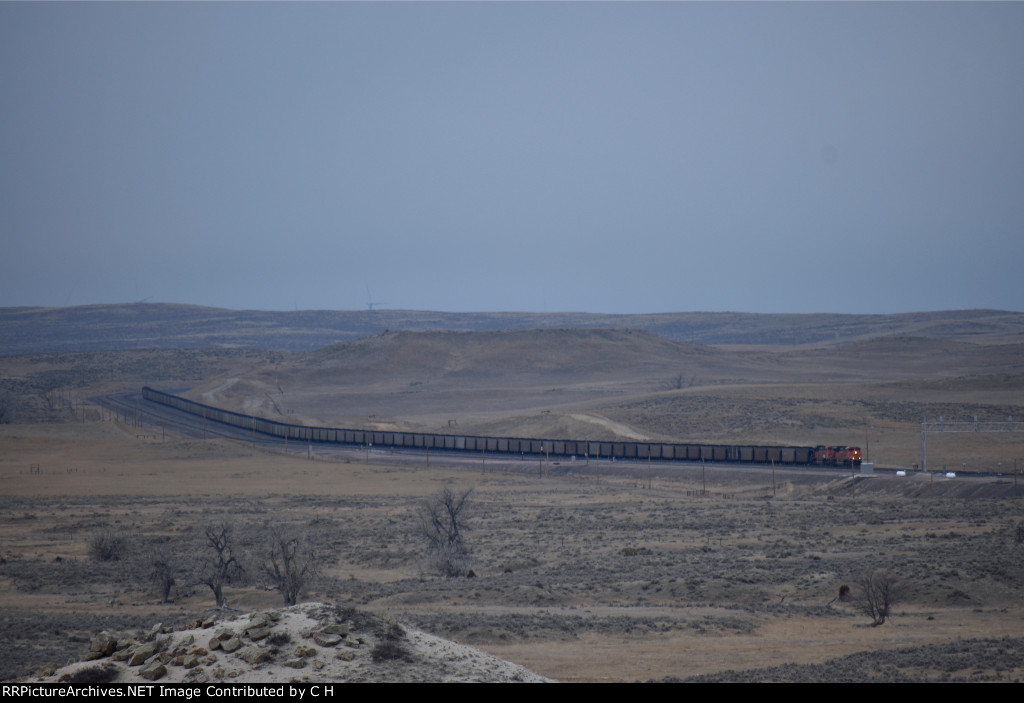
853	481
924	444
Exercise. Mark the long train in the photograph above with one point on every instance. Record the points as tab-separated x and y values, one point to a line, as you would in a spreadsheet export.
744	454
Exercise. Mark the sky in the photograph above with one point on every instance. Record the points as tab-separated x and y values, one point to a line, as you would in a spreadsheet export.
616	157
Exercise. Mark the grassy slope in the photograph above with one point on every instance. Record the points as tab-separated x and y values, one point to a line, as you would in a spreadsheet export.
630	384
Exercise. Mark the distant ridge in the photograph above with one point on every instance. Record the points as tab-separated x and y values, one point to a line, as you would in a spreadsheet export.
25	330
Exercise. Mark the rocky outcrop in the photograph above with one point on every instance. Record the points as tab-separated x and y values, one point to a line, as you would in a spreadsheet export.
326	643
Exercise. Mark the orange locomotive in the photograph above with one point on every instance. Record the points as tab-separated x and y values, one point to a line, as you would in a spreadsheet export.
837	456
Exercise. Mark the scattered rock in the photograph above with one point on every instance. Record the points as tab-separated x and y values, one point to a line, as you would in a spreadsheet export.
254	655
258	632
196	676
140	654
102	645
326	639
153	670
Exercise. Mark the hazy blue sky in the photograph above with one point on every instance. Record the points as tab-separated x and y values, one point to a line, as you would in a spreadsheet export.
604	157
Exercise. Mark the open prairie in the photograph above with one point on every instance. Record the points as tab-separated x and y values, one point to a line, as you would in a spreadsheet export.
601	573
582	571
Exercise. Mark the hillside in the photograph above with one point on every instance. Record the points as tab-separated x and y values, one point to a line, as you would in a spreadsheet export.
416	374
173	326
429	378
586	383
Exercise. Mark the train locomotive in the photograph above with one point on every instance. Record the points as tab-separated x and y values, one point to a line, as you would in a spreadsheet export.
837	456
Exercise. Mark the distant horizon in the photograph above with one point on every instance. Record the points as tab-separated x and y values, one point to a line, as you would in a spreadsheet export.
508	312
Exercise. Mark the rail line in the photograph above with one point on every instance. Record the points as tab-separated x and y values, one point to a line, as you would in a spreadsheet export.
513	446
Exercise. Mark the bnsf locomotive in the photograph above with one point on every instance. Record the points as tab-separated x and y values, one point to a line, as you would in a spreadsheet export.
751	454
837	456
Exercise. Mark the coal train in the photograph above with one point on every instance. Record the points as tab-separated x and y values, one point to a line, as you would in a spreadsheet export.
742	454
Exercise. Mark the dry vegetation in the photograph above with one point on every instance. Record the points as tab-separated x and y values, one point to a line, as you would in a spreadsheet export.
591	573
579	578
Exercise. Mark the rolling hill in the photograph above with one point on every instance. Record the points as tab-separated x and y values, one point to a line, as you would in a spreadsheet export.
173	326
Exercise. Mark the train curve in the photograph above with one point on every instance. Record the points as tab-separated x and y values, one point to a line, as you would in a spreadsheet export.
661	451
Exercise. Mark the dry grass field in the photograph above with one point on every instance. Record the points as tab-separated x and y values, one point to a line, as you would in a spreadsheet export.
588	575
586	572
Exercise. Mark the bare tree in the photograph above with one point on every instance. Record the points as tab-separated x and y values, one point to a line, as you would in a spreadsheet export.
442	520
679	381
289	562
877	594
676	382
218	564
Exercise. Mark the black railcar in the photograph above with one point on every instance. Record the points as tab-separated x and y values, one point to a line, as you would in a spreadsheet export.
662	451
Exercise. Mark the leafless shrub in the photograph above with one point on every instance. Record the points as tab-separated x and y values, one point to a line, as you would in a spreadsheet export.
278	639
441	522
105	673
877	593
389	645
289	562
107	545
